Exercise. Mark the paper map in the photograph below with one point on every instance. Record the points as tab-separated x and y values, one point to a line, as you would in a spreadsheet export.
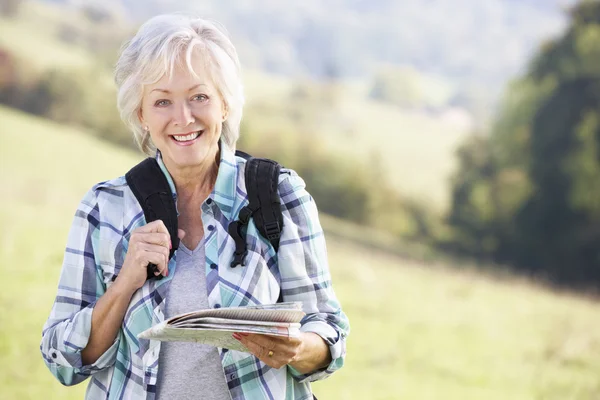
216	326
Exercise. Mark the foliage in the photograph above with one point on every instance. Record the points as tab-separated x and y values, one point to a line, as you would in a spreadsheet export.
533	196
74	97
344	187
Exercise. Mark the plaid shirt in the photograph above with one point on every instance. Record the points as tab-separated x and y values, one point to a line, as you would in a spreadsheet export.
95	252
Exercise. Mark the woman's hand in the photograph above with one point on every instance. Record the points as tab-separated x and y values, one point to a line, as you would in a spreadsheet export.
148	244
305	353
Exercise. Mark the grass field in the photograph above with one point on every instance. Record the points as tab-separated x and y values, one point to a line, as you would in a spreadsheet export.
418	331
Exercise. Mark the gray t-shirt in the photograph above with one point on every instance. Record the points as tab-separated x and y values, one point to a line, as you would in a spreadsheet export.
189	370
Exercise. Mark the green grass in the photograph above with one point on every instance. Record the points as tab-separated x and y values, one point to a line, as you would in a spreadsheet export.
418	331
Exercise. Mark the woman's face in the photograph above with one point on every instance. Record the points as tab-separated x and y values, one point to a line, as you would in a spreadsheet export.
184	115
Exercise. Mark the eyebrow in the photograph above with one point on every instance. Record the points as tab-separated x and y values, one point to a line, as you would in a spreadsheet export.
167	91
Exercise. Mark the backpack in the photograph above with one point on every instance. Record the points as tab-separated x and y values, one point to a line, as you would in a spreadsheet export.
152	191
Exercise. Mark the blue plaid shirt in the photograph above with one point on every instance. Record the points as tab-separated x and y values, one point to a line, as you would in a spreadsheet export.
95	252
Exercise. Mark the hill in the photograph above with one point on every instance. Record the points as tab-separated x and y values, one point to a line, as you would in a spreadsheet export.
419	331
413	147
473	47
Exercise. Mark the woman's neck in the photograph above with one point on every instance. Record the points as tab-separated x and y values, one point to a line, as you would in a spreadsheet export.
195	188
194	184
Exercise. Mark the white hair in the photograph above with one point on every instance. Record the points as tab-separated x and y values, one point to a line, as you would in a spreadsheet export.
166	41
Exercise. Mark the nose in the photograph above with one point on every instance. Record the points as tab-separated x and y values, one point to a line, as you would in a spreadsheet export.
183	115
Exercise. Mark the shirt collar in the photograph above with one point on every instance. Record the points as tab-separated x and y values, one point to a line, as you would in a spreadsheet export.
224	191
164	170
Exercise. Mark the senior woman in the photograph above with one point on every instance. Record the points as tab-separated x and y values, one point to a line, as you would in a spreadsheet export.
180	92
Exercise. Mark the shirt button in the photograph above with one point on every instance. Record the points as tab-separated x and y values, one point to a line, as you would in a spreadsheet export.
211	228
217	305
209	201
213	266
54	355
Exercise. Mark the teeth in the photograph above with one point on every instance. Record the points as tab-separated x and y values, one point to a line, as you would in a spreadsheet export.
186	138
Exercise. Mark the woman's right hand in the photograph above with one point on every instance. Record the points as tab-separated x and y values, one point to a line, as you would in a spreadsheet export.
150	243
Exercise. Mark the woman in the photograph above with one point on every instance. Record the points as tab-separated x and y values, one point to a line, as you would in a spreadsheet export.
181	94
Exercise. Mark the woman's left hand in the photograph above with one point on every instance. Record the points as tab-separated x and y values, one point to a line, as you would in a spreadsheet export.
306	353
275	351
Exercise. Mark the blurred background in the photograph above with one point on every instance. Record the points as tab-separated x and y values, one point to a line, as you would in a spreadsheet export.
452	146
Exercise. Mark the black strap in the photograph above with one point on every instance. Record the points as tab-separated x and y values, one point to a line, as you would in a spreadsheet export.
237	230
262	179
152	191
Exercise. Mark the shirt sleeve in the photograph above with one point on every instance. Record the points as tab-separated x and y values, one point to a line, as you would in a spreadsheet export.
305	276
67	330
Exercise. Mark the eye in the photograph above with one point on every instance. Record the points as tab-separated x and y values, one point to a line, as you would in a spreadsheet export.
162	103
200	97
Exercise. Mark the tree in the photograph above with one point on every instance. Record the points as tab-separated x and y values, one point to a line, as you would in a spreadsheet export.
536	195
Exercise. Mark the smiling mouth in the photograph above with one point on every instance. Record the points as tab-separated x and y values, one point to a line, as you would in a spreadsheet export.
187	138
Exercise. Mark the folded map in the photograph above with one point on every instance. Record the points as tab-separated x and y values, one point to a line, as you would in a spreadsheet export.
216	326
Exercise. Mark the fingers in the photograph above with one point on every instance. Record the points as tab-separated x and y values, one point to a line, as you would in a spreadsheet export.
148	244
283	350
160	239
157	226
163	266
158	258
262	353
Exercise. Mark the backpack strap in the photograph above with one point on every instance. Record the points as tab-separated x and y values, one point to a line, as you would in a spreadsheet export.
262	181
152	191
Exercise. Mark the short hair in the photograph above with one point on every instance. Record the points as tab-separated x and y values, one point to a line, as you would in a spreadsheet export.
168	40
